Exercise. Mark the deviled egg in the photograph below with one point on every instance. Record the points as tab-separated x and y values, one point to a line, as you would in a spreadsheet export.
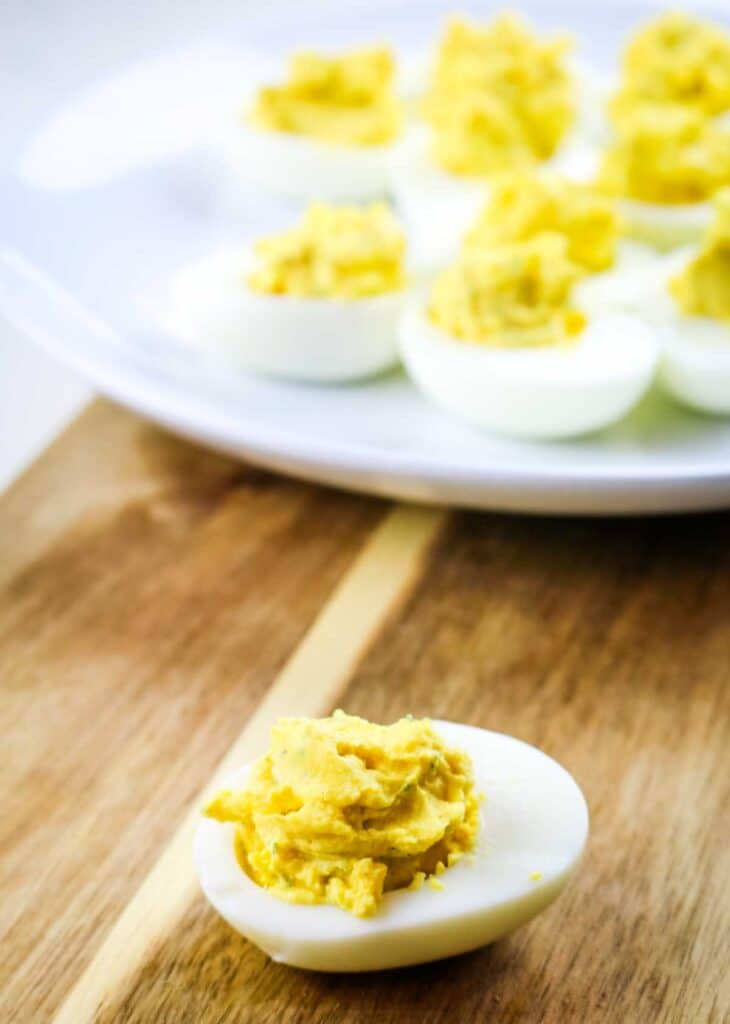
318	302
664	166
695	326
327	132
354	847
500	344
500	98
675	59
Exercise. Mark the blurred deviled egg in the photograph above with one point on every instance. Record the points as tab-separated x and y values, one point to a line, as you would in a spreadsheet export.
318	302
671	147
666	163
500	344
500	98
352	846
695	326
675	59
327	132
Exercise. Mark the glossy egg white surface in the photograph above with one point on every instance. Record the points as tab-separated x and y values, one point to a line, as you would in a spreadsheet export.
550	392
533	831
437	207
636	282
663	225
297	167
307	339
695	366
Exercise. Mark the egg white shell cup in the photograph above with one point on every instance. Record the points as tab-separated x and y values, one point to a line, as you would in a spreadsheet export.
636	283
299	167
695	365
663	225
534	820
540	393
438	208
305	339
594	88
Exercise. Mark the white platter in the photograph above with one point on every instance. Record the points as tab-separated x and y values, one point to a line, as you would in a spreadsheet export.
117	190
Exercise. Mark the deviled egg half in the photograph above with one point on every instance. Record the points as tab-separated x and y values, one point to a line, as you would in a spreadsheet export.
675	59
318	302
327	132
693	320
500	98
355	847
664	166
500	344
671	147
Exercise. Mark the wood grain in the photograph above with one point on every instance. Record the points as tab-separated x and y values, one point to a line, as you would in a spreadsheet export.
307	686
138	636
142	630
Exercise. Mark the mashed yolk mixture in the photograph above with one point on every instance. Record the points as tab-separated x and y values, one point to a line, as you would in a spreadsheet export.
526	205
499	90
703	287
341	811
345	100
676	59
509	296
667	154
334	252
479	135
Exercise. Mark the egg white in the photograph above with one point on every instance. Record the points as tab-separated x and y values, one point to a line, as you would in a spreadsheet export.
636	282
663	225
541	393
437	207
695	365
298	167
306	339
534	821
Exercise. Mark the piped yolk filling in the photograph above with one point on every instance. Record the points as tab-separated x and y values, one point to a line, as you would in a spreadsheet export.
499	96
523	206
341	811
667	154
345	100
510	296
334	252
676	59
703	287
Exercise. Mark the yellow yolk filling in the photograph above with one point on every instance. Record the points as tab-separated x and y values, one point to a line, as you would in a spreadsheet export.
334	252
499	95
342	811
509	296
346	100
676	59
667	154
703	287
523	206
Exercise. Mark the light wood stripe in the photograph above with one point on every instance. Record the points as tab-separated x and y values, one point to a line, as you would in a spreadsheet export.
309	684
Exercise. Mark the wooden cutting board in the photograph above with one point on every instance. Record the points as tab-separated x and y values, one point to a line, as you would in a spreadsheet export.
161	606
